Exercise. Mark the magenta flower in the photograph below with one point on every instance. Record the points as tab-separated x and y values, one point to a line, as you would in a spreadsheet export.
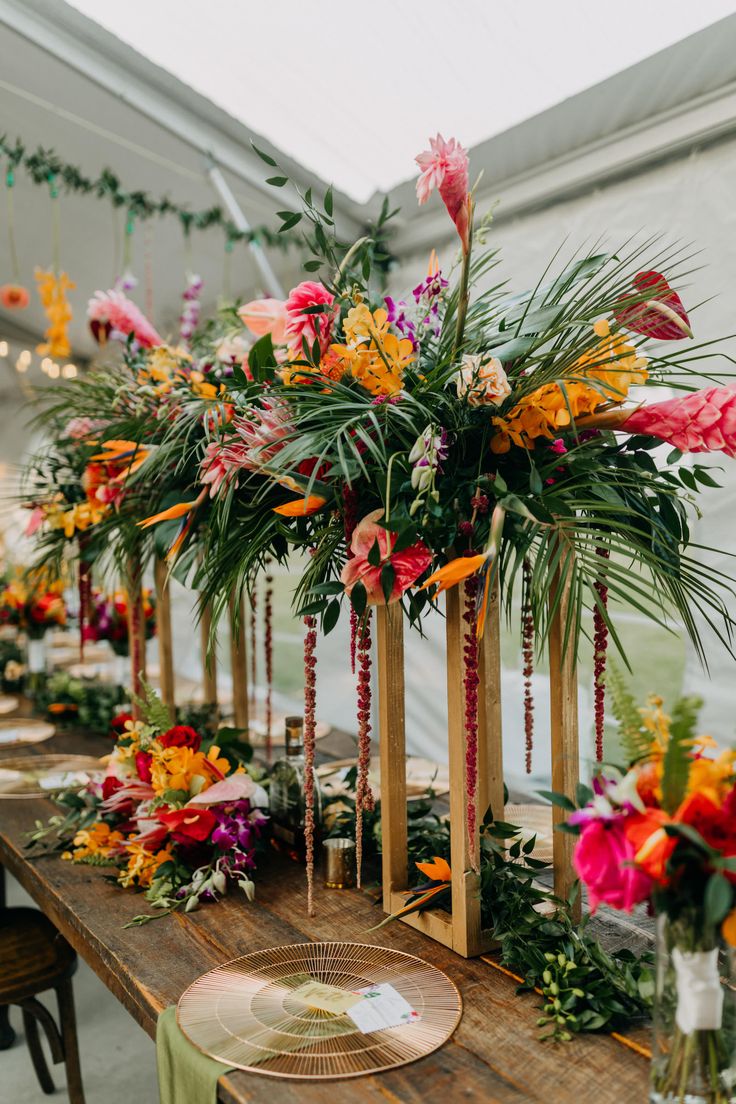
408	564
604	859
445	167
111	313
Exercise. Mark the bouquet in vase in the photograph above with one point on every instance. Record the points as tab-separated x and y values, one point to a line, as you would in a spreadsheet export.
33	606
664	832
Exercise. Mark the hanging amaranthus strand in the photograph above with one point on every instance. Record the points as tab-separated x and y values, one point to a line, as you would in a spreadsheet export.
350	502
363	792
310	728
253	635
600	648
268	654
470	686
527	648
135	630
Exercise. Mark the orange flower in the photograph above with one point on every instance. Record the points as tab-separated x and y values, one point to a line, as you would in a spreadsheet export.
645	831
454	572
438	870
301	507
52	291
97	841
14	297
142	864
728	928
181	768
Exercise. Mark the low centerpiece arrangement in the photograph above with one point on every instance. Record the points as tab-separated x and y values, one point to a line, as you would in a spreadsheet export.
177	815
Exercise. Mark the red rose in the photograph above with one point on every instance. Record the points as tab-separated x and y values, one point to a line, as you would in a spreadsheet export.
143	765
118	723
189	825
180	736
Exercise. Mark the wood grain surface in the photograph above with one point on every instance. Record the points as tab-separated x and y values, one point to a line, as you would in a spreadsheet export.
494	1056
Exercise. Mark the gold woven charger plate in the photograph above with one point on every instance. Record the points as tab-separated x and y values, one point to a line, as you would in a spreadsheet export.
243	1013
24	730
40	775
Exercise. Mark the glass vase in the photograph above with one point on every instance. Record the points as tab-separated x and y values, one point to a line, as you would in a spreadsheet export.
36	662
693	1056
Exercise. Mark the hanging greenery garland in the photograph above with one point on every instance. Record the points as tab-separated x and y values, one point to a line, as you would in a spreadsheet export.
44	165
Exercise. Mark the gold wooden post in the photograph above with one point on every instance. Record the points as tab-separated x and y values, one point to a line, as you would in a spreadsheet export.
564	727
163	626
464	860
136	628
490	728
239	663
390	645
209	661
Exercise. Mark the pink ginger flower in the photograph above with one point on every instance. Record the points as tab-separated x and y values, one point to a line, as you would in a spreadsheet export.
408	564
262	435
445	167
265	316
112	314
703	421
300	324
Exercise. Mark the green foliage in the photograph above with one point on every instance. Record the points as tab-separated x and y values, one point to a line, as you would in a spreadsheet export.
154	713
676	765
636	741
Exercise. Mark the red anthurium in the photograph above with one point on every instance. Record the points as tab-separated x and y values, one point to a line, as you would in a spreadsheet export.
189	825
654	309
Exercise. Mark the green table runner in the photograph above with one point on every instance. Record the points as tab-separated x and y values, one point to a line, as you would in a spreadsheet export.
185	1075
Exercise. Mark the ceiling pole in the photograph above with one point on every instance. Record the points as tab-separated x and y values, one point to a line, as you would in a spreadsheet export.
270	279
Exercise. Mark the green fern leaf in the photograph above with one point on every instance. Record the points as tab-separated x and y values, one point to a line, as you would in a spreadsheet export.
676	765
153	711
635	740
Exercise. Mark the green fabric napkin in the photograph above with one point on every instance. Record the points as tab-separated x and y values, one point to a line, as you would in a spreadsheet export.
185	1075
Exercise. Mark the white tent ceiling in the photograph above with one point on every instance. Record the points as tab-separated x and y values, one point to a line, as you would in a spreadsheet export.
352	90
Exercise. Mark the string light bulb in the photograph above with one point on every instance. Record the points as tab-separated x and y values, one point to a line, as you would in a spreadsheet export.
69	371
3	348
53	370
46	364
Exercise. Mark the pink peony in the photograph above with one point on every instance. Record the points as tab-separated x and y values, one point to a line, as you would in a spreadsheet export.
265	316
309	294
111	313
604	860
408	564
703	421
445	167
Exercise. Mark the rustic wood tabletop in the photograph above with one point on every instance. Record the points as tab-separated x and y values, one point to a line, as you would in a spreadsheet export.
495	1055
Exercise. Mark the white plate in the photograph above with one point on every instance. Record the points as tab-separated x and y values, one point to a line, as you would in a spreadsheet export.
8	704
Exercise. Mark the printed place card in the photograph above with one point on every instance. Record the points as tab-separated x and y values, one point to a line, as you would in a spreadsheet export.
382	1006
327	998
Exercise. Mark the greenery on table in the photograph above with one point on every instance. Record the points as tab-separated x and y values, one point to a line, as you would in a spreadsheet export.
90	704
584	987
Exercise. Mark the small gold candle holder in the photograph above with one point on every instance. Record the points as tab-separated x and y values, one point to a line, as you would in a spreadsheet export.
339	863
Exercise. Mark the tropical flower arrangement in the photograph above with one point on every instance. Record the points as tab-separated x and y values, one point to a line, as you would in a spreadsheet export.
464	434
32	605
110	619
663	832
177	815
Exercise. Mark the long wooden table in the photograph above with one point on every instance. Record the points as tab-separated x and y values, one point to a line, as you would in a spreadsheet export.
494	1057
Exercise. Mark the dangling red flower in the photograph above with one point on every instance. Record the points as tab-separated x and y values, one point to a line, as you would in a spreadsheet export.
268	654
310	726
363	792
527	645
470	682
600	647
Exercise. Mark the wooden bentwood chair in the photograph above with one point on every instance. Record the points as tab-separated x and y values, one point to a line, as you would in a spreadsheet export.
34	957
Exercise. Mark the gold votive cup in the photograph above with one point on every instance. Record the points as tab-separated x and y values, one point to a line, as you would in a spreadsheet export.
339	856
